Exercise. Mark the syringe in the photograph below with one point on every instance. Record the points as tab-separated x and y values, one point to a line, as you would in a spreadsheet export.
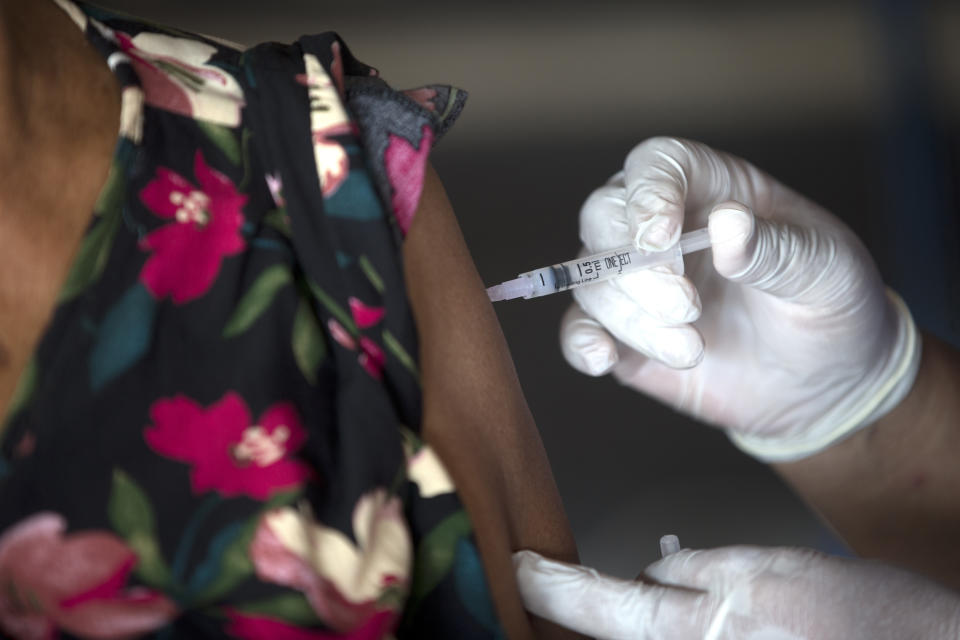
595	268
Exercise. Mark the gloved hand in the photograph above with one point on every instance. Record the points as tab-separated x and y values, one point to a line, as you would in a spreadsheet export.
742	593
799	343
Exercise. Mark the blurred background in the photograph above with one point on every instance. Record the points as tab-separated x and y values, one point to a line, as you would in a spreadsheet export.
855	104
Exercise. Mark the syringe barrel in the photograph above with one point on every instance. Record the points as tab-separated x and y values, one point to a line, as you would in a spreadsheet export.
597	268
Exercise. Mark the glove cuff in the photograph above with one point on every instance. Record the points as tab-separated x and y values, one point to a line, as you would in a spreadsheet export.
894	383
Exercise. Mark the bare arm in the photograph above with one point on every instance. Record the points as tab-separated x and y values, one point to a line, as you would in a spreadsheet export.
892	491
475	415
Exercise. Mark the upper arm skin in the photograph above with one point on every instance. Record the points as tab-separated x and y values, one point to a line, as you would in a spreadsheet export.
475	416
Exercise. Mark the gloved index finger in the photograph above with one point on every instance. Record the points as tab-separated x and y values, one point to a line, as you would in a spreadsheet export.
713	569
606	607
603	218
664	178
656	175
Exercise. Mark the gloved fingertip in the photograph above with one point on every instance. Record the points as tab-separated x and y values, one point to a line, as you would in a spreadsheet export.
694	306
685	354
698	357
672	299
588	347
659	236
730	223
655	216
694	360
731	226
530	565
616	179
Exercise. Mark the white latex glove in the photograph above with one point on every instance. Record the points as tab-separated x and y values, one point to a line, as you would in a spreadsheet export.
799	343
742	593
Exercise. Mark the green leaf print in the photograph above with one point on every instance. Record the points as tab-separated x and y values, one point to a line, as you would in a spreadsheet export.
368	270
111	196
282	499
279	220
91	258
435	556
333	308
225	138
393	346
245	151
411	441
124	336
131	515
309	347
256	300
392	597
289	607
228	560
227	565
451	103
472	588
356	199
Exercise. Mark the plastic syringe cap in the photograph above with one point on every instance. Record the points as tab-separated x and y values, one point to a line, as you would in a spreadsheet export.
516	288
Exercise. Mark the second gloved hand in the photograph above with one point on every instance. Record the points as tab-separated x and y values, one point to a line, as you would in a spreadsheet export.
799	343
742	593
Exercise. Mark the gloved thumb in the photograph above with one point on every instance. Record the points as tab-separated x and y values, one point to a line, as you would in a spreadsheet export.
732	228
774	257
585	344
605	607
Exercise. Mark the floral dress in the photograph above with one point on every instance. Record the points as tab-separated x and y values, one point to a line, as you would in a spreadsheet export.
217	435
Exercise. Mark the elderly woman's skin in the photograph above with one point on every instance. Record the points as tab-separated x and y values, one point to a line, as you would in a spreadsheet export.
475	415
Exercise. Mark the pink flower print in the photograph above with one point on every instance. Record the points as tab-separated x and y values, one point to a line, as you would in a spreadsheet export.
336	67
276	563
343	578
175	76
275	185
26	445
75	582
341	335
423	96
333	164
229	454
427	471
205	227
365	316
327	118
372	359
405	170
248	627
